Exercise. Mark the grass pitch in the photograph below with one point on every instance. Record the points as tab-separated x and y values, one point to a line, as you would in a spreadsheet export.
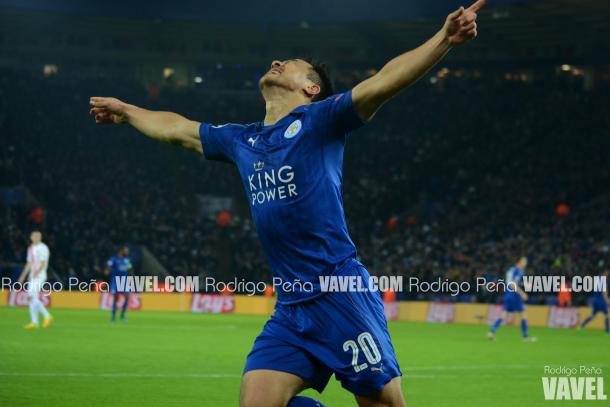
166	359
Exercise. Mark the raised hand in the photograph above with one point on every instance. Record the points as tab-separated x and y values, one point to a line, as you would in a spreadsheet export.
461	25
107	110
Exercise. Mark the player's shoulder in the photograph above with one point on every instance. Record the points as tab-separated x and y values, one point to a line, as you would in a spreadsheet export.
328	102
339	110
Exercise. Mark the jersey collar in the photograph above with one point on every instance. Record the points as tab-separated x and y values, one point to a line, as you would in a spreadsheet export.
297	111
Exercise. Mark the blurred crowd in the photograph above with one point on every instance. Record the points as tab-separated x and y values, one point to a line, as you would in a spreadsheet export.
453	180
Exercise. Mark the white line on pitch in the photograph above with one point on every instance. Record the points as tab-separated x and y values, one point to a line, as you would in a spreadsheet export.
123	375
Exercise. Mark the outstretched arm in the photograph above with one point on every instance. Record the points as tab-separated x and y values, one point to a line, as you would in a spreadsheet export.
162	126
398	74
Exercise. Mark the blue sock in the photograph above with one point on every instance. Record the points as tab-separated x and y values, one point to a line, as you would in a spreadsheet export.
524	328
114	301
125	304
300	401
607	323
586	321
496	325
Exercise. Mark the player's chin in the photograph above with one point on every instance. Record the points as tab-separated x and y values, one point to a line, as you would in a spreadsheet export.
269	79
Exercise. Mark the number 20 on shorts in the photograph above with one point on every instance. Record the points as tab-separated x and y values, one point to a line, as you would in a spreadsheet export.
369	348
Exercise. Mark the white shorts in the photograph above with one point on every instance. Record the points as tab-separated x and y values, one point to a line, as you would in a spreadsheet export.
34	287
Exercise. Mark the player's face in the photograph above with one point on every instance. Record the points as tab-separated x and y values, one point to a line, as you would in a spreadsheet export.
523	262
124	251
290	75
35	237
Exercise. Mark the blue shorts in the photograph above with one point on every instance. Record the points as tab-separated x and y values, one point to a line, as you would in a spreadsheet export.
513	303
114	290
599	306
344	333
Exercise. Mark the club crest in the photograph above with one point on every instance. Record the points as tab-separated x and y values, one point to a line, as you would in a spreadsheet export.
293	129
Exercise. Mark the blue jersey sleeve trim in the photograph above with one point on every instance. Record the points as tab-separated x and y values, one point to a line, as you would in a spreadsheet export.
204	130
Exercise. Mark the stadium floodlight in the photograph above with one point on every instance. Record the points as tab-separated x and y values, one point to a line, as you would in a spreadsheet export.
49	69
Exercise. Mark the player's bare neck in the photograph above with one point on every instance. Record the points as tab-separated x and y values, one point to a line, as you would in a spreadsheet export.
279	103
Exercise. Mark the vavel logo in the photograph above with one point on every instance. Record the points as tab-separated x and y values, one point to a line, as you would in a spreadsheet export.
268	184
573	383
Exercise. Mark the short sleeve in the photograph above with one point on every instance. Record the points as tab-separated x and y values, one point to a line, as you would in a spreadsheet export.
340	112
219	141
109	263
29	255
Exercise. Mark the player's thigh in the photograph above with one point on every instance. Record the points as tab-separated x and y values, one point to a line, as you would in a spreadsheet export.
34	288
390	396
269	388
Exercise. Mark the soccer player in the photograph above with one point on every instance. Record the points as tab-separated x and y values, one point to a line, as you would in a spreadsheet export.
291	169
514	299
118	267
36	266
599	304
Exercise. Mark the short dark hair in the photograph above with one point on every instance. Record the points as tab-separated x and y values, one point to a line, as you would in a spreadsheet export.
319	75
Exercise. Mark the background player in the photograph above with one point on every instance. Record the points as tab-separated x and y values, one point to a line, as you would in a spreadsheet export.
599	304
301	222
118	267
514	299
37	263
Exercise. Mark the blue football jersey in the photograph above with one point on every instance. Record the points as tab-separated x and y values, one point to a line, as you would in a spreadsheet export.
119	266
292	172
514	275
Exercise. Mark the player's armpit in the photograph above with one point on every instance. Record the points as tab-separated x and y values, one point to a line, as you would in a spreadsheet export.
185	133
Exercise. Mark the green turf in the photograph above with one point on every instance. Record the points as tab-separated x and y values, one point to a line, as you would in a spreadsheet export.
163	359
